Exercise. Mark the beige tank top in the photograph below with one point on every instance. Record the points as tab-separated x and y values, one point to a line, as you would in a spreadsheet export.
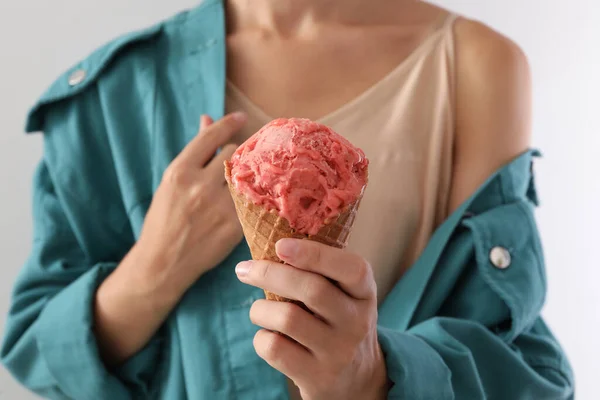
404	123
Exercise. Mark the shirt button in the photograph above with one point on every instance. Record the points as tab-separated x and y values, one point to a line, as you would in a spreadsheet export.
77	77
500	257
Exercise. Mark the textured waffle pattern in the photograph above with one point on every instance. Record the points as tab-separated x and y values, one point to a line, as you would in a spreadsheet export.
263	228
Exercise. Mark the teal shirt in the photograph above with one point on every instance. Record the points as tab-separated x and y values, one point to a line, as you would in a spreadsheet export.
454	327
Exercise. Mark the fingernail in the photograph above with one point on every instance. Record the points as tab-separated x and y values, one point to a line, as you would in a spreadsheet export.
205	122
286	248
239	116
243	268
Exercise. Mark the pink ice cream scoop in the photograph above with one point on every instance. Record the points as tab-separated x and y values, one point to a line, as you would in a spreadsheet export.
302	169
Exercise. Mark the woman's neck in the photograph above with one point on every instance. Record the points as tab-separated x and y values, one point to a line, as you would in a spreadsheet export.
300	17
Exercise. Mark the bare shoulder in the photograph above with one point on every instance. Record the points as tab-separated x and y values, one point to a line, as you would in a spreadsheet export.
479	48
484	51
493	88
493	104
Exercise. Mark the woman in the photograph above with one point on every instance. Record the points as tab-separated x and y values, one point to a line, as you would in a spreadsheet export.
430	304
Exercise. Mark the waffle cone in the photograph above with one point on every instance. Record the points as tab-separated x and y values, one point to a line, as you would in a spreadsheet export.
263	228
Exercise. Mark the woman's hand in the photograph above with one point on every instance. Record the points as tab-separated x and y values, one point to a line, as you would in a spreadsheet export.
191	225
333	353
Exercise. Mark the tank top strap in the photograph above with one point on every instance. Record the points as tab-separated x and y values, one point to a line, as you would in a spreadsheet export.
447	30
448	21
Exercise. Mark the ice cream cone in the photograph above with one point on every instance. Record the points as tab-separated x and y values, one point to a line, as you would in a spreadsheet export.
263	228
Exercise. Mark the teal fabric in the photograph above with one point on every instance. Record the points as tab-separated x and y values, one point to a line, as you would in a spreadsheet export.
454	327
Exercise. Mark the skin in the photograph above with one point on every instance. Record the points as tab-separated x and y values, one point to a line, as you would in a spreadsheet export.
332	353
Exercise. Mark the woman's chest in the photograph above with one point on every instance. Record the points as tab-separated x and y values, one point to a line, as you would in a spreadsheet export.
313	78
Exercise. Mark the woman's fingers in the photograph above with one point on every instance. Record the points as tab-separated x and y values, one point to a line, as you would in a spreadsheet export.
351	272
216	165
293	321
213	135
320	295
283	354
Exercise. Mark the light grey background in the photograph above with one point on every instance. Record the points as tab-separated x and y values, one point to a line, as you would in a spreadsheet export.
40	39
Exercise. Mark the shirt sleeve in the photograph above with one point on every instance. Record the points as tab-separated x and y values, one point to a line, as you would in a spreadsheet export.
80	235
476	332
446	358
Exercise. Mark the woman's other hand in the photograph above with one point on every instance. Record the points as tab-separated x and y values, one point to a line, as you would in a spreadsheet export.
190	227
333	353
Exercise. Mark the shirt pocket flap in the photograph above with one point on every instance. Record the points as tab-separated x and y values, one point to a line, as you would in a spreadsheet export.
509	258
